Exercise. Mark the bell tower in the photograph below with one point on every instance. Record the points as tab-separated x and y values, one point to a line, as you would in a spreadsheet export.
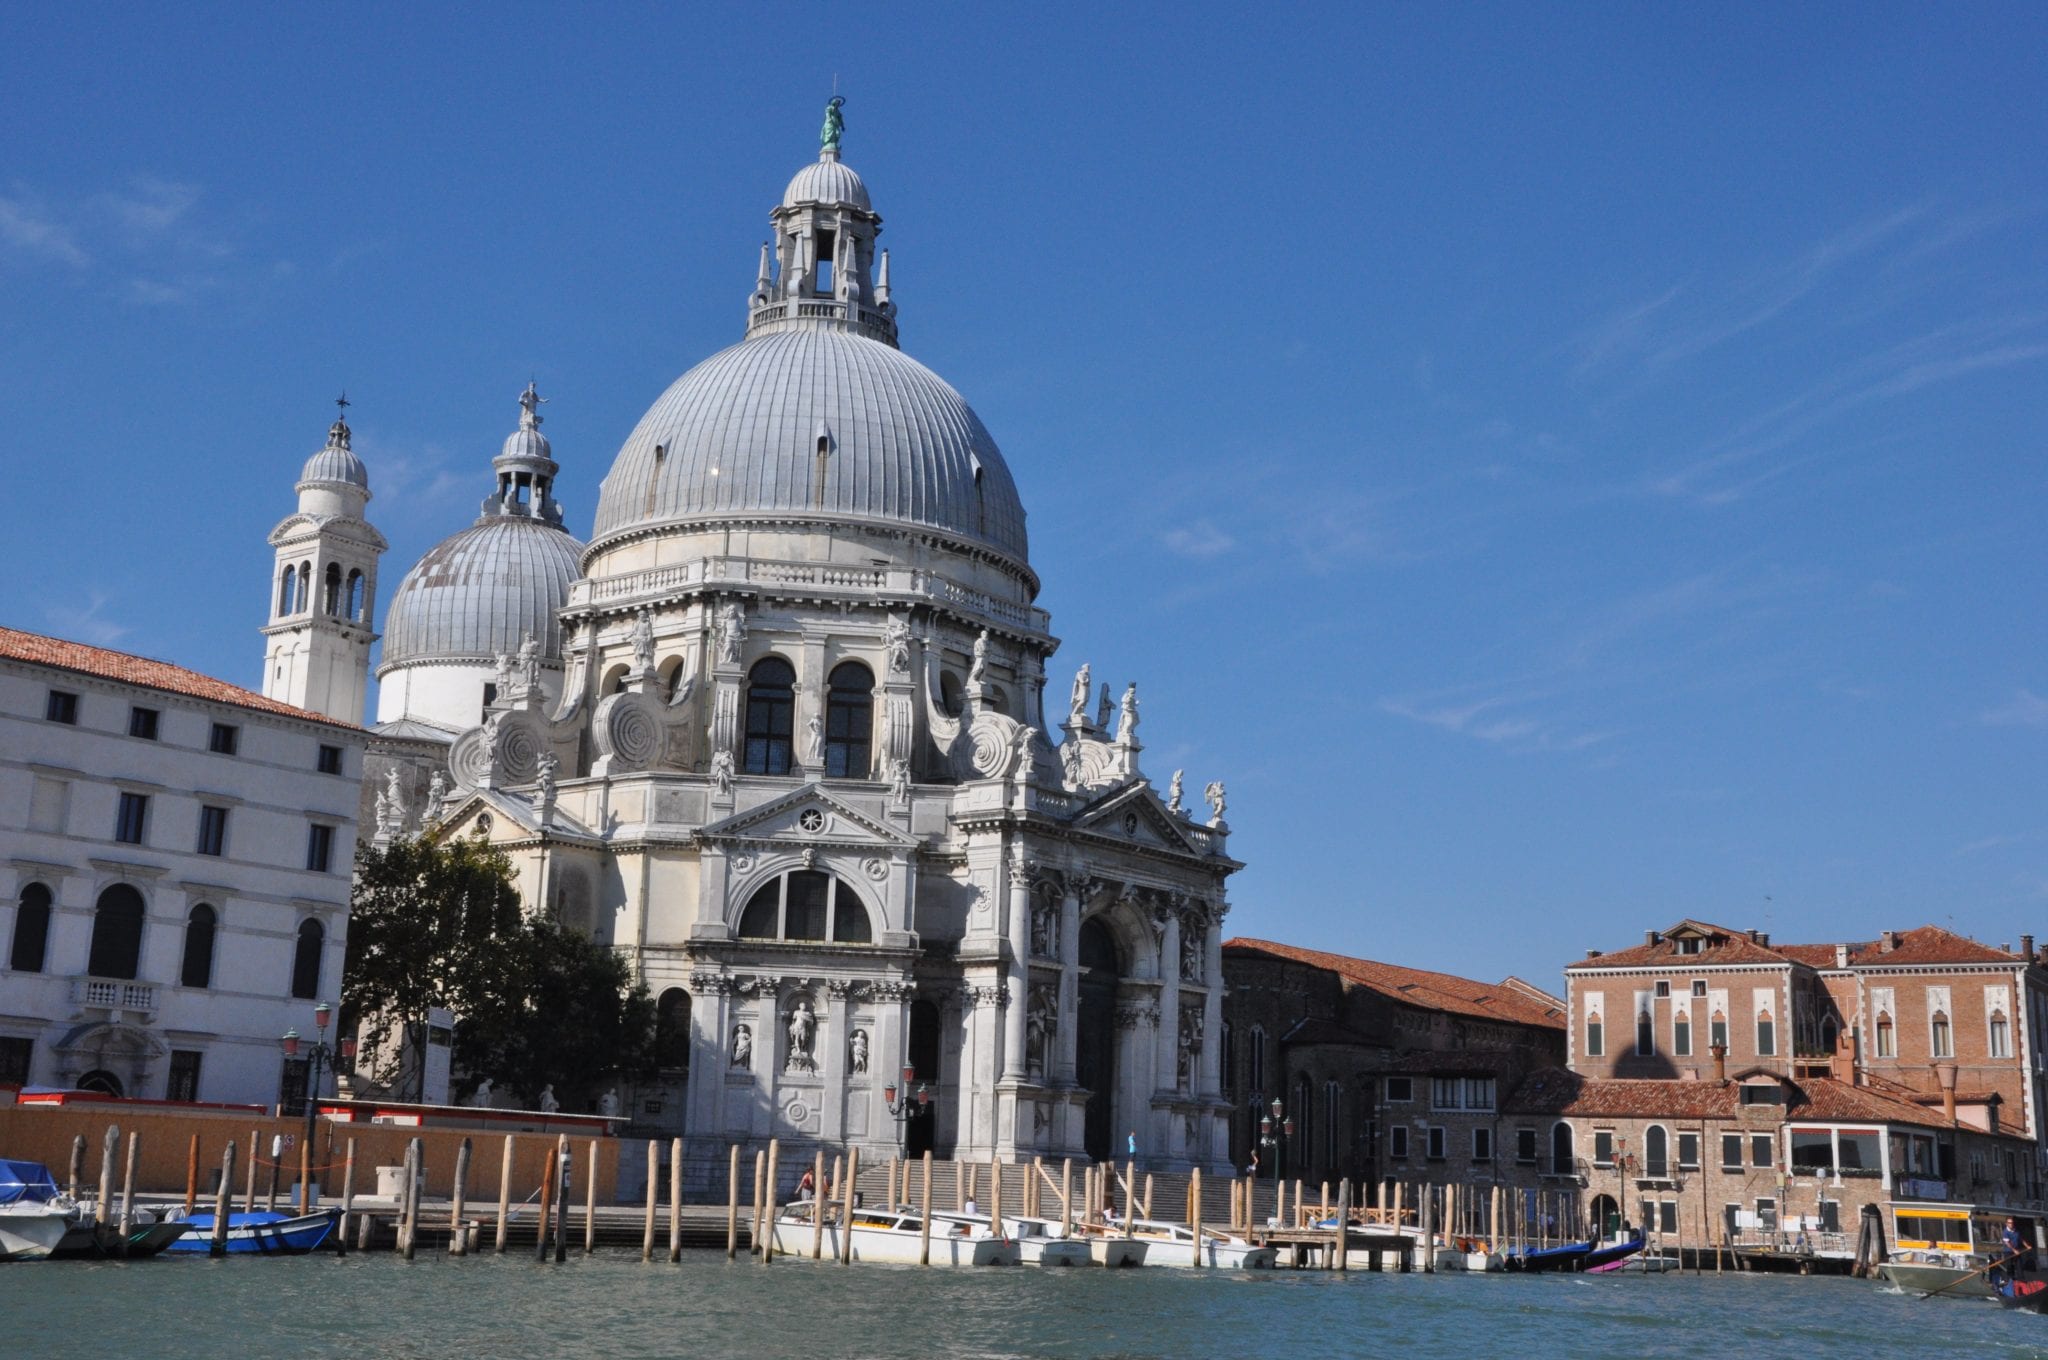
323	586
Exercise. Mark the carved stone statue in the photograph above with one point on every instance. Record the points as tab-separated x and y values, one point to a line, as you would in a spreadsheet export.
1214	793
896	637
732	631
722	773
1039	1023
977	670
814	743
1173	793
1045	930
1127	715
1077	700
899	782
742	1047
857	1050
1103	708
1191	941
544	780
503	664
1025	763
547	1103
803	1031
383	814
481	1097
437	792
529	664
608	1103
643	643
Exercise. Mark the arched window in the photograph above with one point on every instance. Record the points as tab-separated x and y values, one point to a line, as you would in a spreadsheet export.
31	930
806	905
303	589
197	970
1887	1044
1562	1160
1998	1036
1255	1066
1830	1034
287	590
771	715
330	599
952	697
1304	1119
1681	1032
1717	1030
116	934
355	596
1766	1034
1938	1035
1596	1035
672	1031
306	960
1646	1033
1656	1152
849	721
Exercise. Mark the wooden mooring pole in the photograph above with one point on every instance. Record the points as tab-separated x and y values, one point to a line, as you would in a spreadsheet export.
846	1214
924	1230
818	1205
1195	1212
192	1176
458	1236
590	1202
77	1166
348	1199
653	1196
548	1176
103	1206
675	1201
221	1199
564	1164
732	1205
127	1216
505	1192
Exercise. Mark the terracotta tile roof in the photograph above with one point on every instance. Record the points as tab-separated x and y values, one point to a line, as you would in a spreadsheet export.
1931	944
140	670
1734	946
1417	987
1814	955
1555	1091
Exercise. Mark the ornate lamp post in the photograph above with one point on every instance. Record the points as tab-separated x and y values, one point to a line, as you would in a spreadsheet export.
318	1054
914	1104
1277	1144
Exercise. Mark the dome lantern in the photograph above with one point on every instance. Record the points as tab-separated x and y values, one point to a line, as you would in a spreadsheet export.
526	468
824	252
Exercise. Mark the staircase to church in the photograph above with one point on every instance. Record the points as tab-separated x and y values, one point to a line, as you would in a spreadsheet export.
951	1178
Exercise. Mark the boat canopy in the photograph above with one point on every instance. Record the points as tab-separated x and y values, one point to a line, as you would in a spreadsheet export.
30	1181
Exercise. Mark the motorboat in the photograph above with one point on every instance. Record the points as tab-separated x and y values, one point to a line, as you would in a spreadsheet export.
893	1236
146	1235
1038	1240
1945	1249
1469	1254
35	1216
1173	1244
267	1234
1108	1246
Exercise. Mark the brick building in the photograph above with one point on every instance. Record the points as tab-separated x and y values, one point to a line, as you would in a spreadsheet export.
1385	1071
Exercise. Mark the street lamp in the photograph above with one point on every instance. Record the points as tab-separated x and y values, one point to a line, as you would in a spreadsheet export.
1276	1145
914	1103
318	1054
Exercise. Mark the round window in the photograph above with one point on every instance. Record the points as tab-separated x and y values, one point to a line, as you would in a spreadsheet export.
812	821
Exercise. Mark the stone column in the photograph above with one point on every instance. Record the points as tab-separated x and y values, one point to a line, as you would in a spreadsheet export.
1167	1062
1064	1064
1212	1009
1018	971
835	1028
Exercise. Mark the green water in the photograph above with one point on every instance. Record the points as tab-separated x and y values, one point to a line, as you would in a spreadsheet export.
611	1305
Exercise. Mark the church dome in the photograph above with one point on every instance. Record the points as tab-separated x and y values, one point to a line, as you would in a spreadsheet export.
737	436
478	594
337	462
827	181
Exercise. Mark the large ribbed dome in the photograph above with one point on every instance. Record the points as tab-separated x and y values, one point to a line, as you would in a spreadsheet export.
479	593
740	435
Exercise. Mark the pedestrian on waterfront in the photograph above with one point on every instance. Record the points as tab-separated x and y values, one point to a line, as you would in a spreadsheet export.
1131	1143
808	1186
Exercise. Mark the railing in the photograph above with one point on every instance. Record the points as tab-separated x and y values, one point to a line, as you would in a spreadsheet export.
713	572
113	994
823	309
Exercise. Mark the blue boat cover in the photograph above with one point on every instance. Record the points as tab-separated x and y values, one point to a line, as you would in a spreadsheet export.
30	1181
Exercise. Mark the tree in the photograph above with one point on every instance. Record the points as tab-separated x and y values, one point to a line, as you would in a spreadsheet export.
428	921
438	925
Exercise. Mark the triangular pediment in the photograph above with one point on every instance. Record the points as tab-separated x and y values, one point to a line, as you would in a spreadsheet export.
1137	815
505	817
811	814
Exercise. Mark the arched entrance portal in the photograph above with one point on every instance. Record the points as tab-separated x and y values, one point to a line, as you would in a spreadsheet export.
919	1135
1095	1036
1606	1215
106	1083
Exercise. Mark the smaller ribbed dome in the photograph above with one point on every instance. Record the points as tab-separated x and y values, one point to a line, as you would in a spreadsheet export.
477	595
527	444
337	462
825	180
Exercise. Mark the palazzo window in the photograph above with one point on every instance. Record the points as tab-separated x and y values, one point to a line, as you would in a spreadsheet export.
1999	1036
197	969
306	960
849	721
1717	1030
1766	1035
1646	1034
116	934
1938	1035
1681	1034
1887	1041
1596	1039
31	930
771	715
806	905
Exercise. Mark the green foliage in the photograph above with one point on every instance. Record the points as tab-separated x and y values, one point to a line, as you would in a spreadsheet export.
439	925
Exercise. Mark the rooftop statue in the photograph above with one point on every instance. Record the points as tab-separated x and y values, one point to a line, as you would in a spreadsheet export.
835	124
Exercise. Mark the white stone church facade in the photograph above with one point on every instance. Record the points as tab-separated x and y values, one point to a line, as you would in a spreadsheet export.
779	733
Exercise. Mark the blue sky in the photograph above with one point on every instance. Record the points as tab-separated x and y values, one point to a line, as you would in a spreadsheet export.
1566	468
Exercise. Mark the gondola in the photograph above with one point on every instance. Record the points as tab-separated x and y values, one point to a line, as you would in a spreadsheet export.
1574	1257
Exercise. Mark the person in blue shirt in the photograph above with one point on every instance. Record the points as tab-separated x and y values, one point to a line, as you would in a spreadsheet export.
1131	1143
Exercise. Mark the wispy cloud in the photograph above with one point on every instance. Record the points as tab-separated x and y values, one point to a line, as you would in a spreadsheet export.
1495	721
88	623
29	229
2024	709
1998	842
1198	538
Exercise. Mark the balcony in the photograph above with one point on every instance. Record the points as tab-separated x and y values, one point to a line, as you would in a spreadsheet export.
815	580
113	994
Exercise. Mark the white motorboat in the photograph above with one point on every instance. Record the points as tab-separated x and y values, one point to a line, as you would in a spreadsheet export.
894	1236
35	1215
1038	1240
1109	1247
1173	1244
1469	1257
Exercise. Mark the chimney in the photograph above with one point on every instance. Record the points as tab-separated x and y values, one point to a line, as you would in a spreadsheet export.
1720	1052
1651	937
1592	953
2027	948
1888	942
1945	1073
1755	935
1763	937
1841	956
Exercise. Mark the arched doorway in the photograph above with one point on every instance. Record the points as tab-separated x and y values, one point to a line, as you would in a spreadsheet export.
1606	1215
920	1134
106	1083
1095	1036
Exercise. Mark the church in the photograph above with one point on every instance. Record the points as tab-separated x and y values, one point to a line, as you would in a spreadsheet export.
779	733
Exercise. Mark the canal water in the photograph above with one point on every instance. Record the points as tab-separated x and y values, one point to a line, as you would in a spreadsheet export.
611	1305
